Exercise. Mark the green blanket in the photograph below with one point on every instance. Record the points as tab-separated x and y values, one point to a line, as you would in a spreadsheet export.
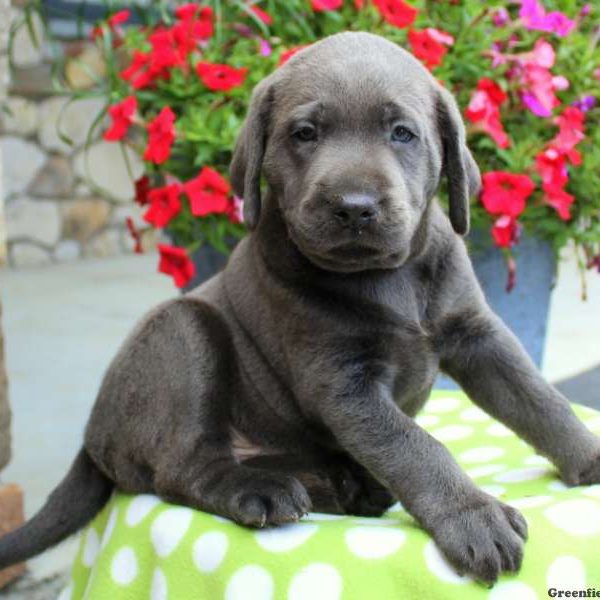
140	547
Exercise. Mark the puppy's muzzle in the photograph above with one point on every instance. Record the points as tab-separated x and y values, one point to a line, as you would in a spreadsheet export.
356	211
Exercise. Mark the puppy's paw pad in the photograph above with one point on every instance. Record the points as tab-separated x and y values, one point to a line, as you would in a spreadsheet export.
483	540
270	500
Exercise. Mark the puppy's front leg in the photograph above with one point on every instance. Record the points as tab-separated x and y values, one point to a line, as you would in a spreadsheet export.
477	533
488	361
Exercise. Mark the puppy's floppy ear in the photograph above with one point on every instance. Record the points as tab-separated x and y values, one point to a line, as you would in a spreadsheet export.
462	173
246	164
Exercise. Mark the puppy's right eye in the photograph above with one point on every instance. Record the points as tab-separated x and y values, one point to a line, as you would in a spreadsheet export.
305	133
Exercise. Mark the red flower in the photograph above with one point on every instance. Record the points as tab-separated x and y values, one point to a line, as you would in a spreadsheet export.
397	12
164	205
359	4
505	231
429	45
235	211
117	19
505	193
208	193
287	54
484	111
220	78
323	5
264	16
196	24
135	235
558	199
136	73
551	166
176	262
122	117
142	187
571	132
161	135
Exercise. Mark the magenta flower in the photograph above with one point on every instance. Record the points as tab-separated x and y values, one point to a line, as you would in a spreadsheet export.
585	103
500	17
534	16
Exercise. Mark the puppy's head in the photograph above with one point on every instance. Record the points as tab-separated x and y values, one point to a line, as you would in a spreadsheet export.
353	136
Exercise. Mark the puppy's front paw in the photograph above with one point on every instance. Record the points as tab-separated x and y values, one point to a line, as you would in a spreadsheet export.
483	539
270	499
590	475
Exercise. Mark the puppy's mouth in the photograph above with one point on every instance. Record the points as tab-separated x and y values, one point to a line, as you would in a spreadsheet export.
352	258
353	252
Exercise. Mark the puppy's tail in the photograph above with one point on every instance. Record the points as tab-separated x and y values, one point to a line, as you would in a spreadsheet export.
76	500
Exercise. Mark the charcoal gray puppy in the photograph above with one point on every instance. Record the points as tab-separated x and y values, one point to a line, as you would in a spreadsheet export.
290	381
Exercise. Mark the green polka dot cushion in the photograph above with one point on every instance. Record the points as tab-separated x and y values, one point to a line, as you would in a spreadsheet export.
140	547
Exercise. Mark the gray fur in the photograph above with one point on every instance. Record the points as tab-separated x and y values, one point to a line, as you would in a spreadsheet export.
290	381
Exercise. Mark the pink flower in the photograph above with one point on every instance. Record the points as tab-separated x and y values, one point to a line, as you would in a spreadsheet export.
571	132
324	5
534	16
484	110
551	166
559	199
500	17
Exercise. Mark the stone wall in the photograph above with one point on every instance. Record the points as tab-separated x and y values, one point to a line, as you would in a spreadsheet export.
62	201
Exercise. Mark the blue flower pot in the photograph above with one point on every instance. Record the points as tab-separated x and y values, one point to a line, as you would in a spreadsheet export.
525	308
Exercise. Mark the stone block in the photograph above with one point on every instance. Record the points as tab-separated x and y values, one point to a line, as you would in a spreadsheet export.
108	170
11	517
84	218
5	416
72	119
21	161
67	251
104	244
27	50
54	179
26	254
83	70
38	221
21	116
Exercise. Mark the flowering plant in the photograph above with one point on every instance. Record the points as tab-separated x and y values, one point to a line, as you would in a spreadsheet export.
526	74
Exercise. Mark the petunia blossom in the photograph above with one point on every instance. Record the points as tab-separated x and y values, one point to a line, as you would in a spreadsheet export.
325	5
484	110
551	167
571	123
430	45
261	14
397	12
559	199
221	78
534	17
161	135
208	193
122	115
164	204
505	193
505	231
175	261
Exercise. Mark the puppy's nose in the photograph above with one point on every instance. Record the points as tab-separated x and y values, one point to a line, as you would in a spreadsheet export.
356	210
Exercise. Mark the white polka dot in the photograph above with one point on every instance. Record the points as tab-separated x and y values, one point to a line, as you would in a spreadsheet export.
450	433
219	519
436	562
91	547
593	423
285	537
499	430
139	508
316	582
593	491
483	454
567	573
526	474
250	583
397	507
376	521
558	486
313	516
124	567
530	501
374	542
494	490
427	420
537	461
168	529
159	589
442	405
474	414
579	517
67	593
110	527
485	470
209	551
512	590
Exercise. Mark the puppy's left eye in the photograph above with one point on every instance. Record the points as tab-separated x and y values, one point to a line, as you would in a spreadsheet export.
402	134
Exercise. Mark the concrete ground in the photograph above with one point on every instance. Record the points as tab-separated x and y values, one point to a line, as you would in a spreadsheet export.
63	325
